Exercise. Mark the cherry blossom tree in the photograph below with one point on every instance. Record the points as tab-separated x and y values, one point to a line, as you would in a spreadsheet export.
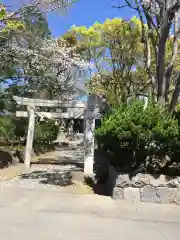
48	64
33	59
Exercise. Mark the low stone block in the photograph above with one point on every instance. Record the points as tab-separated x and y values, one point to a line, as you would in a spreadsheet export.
177	196
123	181
149	194
165	194
118	193
159	181
132	194
140	180
174	183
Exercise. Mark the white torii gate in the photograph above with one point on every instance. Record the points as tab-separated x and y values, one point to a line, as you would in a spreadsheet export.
75	109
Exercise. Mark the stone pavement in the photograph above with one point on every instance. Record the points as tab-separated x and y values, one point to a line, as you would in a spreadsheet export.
42	176
41	214
65	178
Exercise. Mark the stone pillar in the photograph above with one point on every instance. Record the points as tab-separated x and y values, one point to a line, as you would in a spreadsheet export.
89	124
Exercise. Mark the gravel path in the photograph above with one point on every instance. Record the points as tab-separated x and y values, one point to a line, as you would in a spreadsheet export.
53	175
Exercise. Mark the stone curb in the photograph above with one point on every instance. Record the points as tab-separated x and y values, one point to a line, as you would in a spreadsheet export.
144	188
148	194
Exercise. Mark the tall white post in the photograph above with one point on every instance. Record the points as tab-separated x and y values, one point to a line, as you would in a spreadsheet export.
30	136
89	124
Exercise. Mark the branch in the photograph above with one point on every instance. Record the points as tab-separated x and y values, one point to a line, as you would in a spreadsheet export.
147	49
119	7
128	4
175	95
151	33
174	8
170	66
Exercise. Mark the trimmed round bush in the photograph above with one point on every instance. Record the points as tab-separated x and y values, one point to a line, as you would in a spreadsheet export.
138	138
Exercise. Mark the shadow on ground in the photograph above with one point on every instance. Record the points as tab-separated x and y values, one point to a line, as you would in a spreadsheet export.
56	177
98	188
101	170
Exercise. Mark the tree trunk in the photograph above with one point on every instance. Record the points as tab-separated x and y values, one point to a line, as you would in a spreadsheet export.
175	95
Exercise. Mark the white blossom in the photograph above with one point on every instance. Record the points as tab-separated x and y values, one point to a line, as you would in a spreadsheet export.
49	61
50	53
54	5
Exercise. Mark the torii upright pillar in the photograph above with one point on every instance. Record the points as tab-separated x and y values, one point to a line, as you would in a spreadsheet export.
30	136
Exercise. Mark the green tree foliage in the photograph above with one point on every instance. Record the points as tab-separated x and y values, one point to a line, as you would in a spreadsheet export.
10	23
30	42
115	50
141	137
124	56
6	128
12	129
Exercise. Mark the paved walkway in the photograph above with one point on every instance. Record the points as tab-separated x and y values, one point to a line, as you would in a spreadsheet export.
42	214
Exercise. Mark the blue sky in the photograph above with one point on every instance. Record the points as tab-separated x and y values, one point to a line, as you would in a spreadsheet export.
84	12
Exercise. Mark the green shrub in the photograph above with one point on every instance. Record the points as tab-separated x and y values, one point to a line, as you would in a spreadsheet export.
6	128
20	127
14	128
131	134
45	132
